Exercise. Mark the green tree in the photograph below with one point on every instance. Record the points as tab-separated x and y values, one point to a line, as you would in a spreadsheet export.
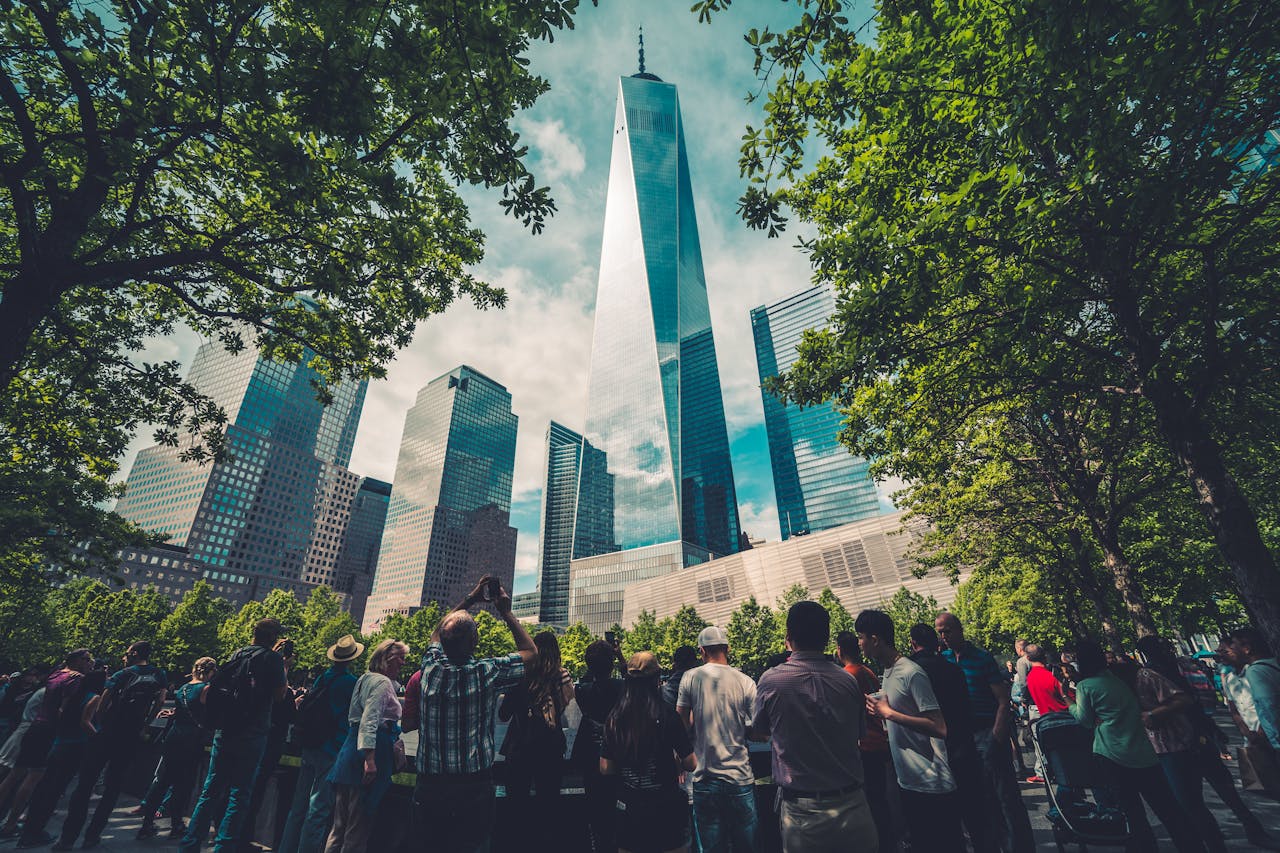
753	637
191	630
495	636
206	165
111	621
573	648
973	201
907	608
683	629
840	618
646	634
280	604
795	592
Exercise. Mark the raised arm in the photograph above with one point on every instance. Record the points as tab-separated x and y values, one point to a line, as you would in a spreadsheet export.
524	643
467	603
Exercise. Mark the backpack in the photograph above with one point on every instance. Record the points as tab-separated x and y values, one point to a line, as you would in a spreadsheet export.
132	700
232	692
314	722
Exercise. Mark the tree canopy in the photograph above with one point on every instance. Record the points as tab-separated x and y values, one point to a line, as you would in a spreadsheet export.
268	174
1032	210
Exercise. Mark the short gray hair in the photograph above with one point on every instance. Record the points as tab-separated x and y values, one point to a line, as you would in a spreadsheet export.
459	636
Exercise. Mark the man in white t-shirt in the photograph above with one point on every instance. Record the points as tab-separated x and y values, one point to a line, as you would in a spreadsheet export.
917	739
716	702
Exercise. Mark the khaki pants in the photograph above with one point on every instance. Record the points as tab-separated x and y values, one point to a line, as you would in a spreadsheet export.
830	824
352	825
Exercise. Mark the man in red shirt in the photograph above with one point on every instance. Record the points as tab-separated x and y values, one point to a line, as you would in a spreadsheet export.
1043	688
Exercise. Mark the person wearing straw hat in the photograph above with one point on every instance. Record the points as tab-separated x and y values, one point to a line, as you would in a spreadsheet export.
321	725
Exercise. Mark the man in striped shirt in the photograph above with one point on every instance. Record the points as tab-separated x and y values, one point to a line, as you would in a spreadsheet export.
458	701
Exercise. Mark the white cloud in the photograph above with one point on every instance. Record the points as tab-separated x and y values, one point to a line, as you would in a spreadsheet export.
760	520
526	559
558	155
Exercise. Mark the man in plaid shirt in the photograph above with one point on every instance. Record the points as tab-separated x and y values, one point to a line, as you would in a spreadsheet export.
458	699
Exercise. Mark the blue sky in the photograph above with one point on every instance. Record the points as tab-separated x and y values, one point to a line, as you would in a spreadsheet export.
539	345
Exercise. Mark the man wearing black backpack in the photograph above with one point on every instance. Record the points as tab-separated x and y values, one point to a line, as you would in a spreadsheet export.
130	701
320	727
238	705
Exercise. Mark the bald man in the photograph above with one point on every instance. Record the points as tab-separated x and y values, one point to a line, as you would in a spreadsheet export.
989	703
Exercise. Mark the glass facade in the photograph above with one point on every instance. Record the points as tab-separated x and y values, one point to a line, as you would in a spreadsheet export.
598	583
358	559
274	512
575	523
448	521
654	402
818	483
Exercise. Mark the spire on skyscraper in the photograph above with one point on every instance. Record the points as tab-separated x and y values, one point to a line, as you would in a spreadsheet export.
644	75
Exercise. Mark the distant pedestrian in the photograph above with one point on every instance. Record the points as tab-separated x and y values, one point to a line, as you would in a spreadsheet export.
717	702
454	798
989	701
181	750
362	772
321	727
238	703
646	745
597	694
683	660
534	745
814	713
917	739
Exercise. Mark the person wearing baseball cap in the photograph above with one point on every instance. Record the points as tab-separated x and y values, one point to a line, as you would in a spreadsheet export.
716	702
323	729
646	744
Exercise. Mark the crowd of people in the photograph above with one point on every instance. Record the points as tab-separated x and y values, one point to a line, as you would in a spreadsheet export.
895	741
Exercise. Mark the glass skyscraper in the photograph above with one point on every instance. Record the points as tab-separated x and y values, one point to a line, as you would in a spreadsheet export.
654	403
274	513
818	483
448	522
576	522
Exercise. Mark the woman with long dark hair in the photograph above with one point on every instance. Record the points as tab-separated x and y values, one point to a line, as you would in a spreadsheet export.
646	745
1127	764
535	742
1188	743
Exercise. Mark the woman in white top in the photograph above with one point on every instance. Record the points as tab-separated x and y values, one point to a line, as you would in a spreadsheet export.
362	772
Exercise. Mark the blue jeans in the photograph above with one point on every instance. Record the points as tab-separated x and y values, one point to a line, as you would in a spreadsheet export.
233	765
312	808
724	811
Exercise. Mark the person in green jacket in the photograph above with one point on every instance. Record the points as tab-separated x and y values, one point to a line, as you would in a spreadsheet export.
1128	769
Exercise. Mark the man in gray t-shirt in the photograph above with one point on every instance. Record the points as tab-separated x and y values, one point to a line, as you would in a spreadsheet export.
917	738
716	701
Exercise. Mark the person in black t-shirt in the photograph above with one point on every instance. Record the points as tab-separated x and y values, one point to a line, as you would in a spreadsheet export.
597	694
256	675
646	745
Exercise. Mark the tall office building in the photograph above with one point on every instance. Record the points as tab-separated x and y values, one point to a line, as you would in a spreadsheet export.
358	560
448	522
577	516
818	483
654	404
274	512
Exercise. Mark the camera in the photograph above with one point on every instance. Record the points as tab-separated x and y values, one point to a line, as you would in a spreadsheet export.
492	589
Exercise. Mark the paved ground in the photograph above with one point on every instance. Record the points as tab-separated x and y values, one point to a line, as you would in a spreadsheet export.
119	837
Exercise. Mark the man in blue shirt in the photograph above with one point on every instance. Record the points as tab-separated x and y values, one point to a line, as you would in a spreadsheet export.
989	704
312	809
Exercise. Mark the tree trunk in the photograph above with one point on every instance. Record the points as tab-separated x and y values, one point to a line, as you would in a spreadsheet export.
1093	592
1224	506
27	302
1126	581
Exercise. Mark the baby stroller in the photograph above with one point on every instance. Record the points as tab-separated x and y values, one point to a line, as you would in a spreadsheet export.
1064	752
